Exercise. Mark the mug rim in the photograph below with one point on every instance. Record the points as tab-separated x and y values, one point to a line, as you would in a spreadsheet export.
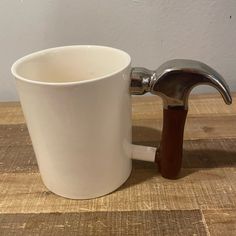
48	50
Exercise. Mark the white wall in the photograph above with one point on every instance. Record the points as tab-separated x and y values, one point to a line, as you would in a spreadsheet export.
152	31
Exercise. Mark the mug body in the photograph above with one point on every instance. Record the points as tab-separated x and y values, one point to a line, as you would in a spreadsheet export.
77	107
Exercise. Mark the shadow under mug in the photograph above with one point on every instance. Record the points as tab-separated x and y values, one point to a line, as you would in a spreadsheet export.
77	105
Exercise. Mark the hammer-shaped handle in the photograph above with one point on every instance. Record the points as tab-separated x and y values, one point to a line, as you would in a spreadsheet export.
173	81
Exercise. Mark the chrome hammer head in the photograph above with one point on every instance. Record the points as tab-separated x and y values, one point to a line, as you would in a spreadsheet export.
175	79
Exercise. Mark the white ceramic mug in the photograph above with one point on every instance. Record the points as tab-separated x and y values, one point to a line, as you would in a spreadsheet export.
77	105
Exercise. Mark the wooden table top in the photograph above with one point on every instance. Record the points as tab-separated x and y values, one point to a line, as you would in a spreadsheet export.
201	202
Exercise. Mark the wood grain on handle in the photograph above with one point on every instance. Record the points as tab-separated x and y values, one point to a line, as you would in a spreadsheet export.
169	158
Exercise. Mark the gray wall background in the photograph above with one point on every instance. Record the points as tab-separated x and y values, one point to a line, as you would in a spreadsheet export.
151	31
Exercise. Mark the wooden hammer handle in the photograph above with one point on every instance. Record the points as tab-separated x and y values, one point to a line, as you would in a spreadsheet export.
169	158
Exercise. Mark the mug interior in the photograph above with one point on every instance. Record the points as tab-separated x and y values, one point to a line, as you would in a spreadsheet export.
71	64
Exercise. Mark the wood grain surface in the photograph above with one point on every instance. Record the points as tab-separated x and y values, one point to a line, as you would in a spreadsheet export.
201	202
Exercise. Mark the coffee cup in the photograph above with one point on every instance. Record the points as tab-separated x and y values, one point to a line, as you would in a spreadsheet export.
77	105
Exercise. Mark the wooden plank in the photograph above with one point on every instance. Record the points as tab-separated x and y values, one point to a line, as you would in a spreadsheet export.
196	128
145	190
145	130
16	152
15	144
212	153
17	155
148	107
105	223
221	221
16	159
14	135
11	113
197	154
